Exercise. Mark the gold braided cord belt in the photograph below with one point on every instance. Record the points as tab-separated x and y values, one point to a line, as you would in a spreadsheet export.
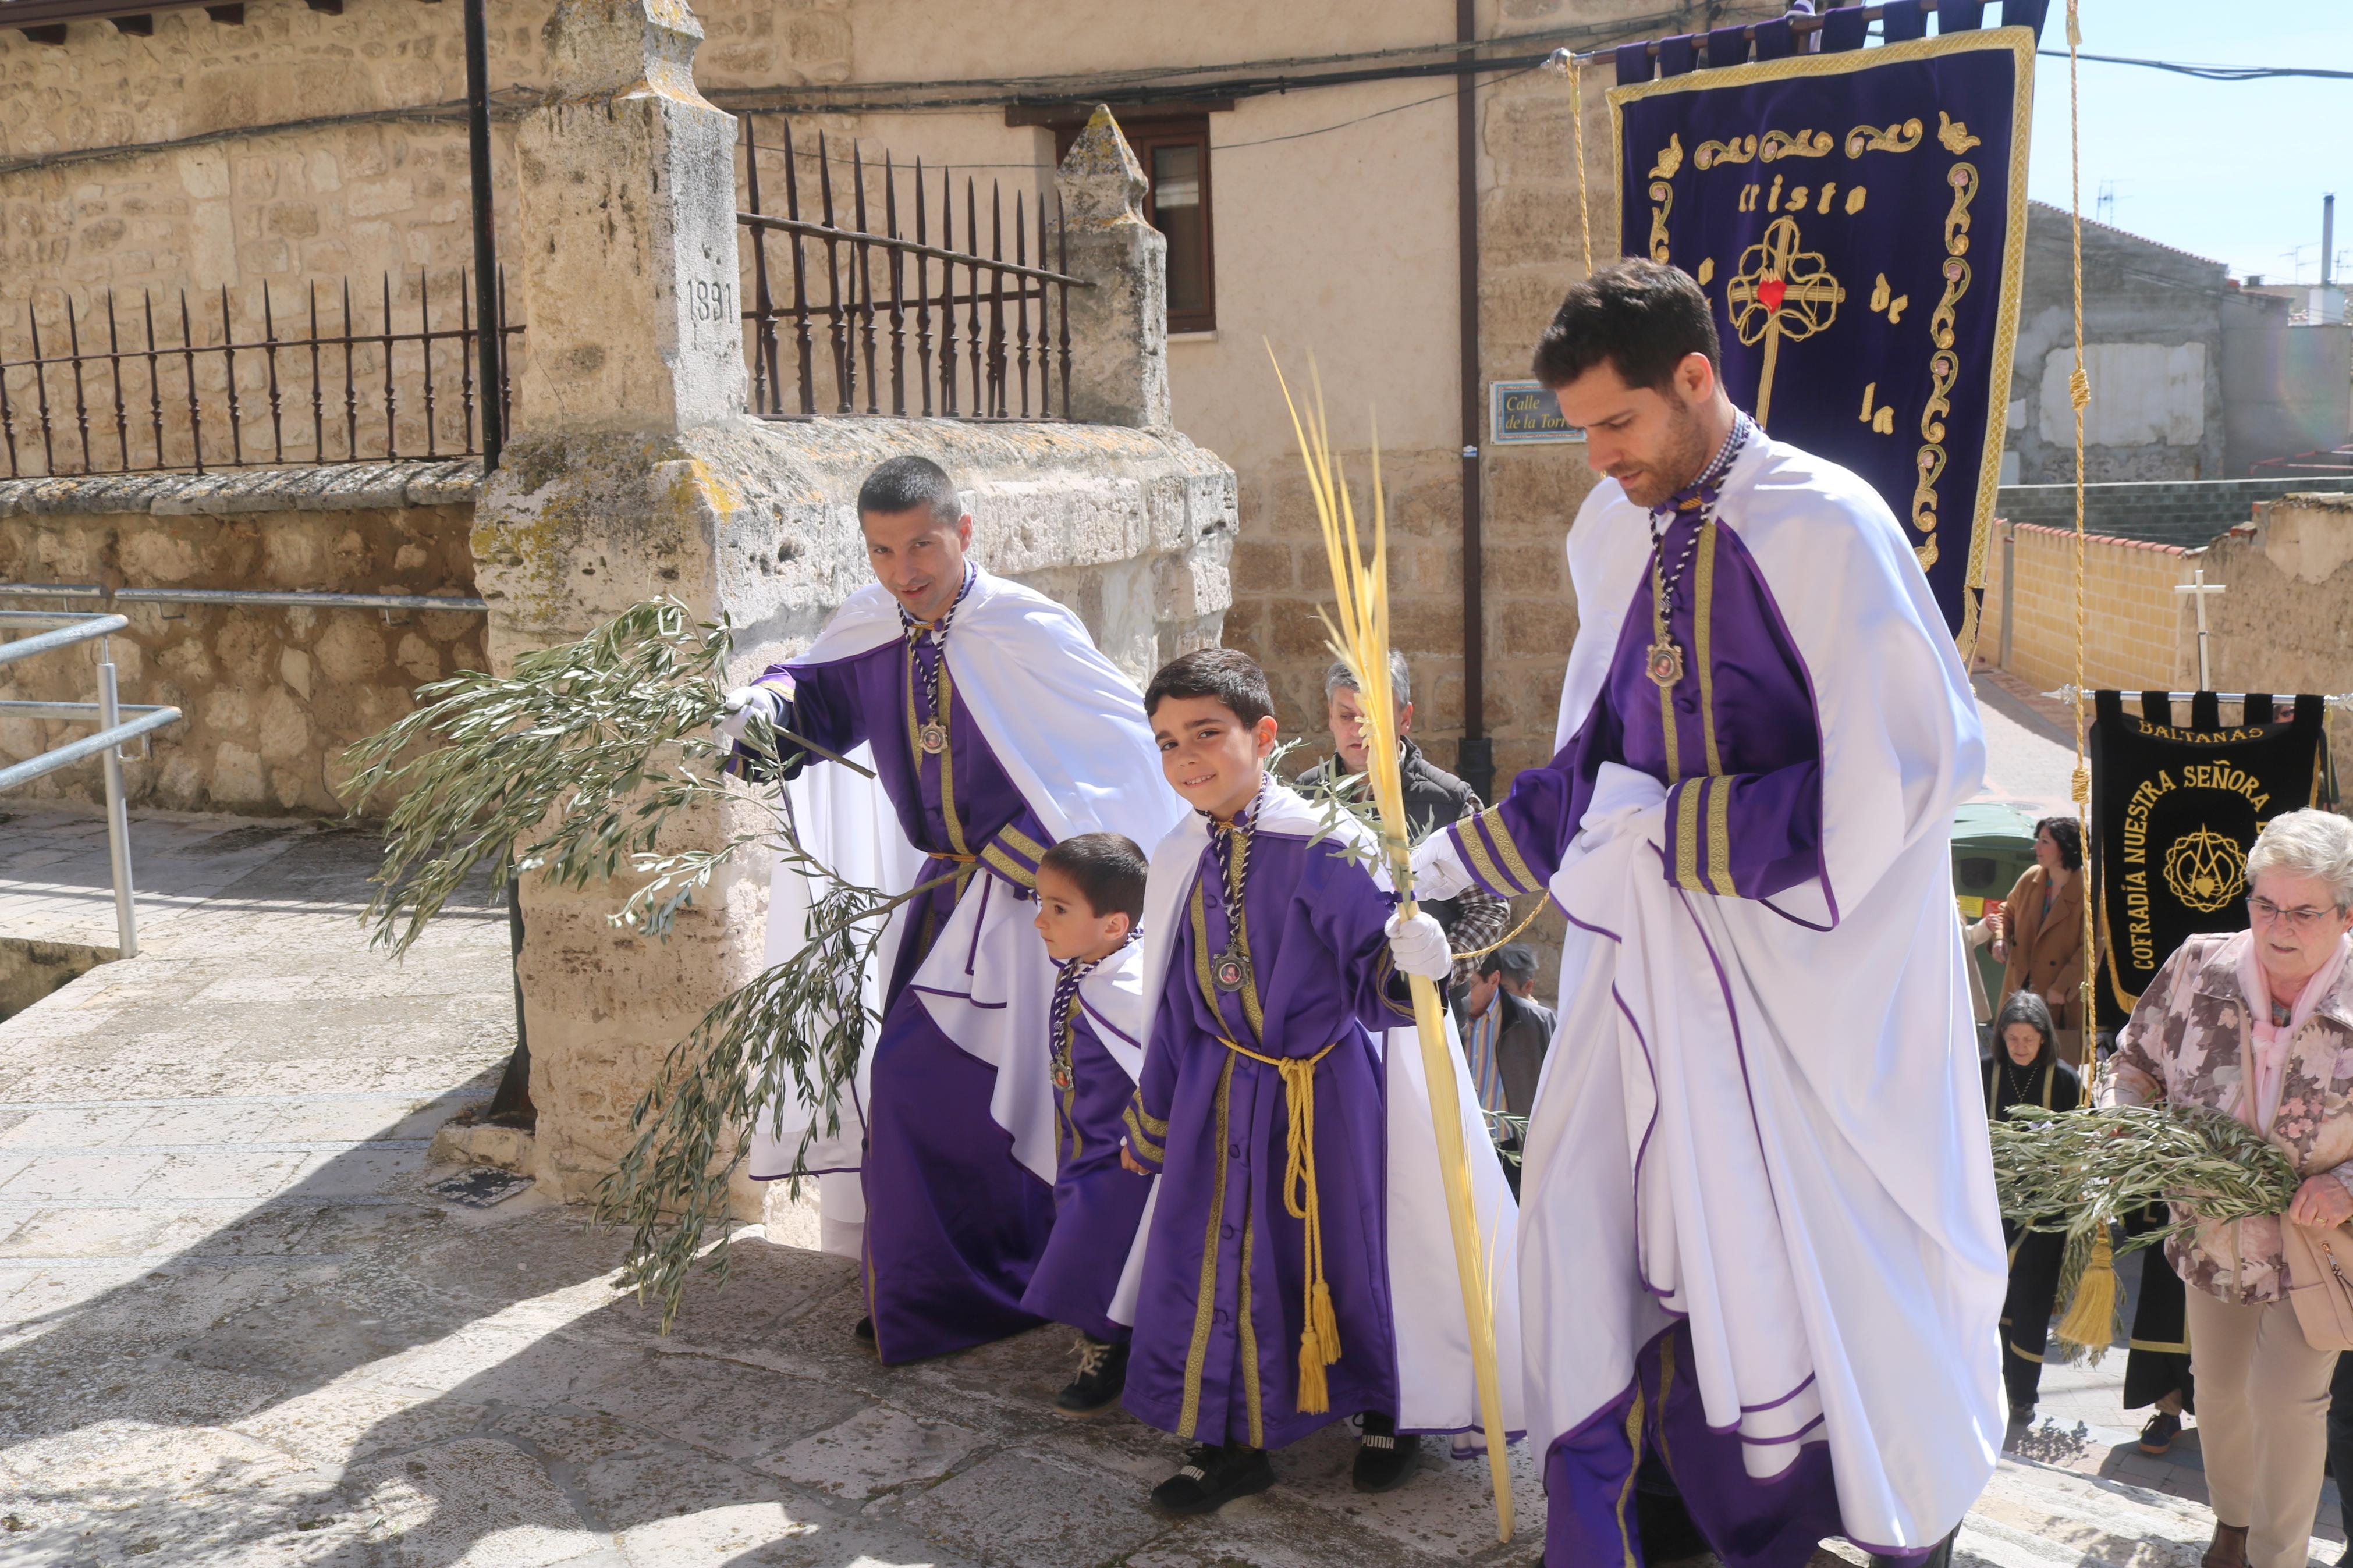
1319	1338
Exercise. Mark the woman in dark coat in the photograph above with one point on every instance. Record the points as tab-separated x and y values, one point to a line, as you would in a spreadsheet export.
2025	1069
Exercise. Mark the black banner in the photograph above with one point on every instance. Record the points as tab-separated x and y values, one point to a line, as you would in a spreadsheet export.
2174	811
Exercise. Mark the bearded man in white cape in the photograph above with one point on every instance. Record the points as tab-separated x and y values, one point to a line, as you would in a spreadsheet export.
1759	1243
997	728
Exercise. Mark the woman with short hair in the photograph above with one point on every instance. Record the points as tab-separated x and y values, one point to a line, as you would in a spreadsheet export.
2258	1024
2040	933
2025	1069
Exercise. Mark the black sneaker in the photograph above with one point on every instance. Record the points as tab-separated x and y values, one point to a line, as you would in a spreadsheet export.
1214	1475
864	1330
2159	1434
1384	1460
2022	1414
1102	1374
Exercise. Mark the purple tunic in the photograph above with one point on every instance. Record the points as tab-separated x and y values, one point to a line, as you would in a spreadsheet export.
1737	744
1219	1318
1097	1204
1741	759
955	1224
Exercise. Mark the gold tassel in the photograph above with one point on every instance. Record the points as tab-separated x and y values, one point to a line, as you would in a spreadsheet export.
2091	1320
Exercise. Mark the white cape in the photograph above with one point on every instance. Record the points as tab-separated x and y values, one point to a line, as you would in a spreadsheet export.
1438	1392
1070	729
1768	1117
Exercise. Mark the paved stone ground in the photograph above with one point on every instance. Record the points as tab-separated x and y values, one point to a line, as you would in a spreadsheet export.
237	1327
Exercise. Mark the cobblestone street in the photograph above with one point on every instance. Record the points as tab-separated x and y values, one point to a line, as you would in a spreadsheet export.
238	1328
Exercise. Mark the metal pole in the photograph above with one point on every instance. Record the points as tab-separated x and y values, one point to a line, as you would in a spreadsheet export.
118	819
1477	757
489	340
2009	588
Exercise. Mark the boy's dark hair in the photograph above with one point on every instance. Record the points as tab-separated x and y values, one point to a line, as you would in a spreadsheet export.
1642	316
902	484
2068	834
1229	675
1108	868
1514	960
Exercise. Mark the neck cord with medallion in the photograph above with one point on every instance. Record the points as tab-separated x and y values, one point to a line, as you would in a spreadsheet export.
933	737
1665	664
1230	841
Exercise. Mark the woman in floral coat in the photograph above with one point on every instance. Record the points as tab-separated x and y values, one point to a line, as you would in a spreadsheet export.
2259	1025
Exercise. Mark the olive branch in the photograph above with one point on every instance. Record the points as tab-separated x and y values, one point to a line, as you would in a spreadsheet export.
572	767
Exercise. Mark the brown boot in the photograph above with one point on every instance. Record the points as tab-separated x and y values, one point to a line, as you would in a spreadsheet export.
2228	1548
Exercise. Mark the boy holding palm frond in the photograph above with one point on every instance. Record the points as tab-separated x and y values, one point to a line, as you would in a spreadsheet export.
1290	1141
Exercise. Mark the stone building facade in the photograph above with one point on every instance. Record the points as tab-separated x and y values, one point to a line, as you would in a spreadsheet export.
149	162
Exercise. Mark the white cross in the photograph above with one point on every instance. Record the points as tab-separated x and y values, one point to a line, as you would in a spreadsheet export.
2198	588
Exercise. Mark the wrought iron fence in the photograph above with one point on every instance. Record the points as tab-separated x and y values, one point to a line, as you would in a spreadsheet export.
208	384
983	327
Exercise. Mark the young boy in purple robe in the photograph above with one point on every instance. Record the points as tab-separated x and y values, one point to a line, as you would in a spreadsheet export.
1274	957
1089	910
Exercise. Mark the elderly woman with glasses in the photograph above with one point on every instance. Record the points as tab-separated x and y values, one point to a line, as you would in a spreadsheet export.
2258	1023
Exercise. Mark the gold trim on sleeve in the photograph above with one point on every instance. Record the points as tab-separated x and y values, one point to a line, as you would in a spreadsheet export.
1015	838
1686	815
1481	866
1013	869
1719	837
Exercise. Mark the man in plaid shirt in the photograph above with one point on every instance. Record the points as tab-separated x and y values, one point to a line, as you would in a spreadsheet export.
1434	798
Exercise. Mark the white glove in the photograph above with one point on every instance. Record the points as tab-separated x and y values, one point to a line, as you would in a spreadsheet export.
1417	945
742	703
1437	873
1623	799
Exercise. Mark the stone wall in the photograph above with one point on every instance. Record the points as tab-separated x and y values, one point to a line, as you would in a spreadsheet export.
2280	624
2152	348
2186	513
271	696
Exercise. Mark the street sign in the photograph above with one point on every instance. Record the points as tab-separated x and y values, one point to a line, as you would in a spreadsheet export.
1524	413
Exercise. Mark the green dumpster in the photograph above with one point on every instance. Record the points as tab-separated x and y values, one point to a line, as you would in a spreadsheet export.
1992	847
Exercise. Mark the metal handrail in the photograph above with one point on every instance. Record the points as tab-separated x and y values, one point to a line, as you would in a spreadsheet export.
63	629
293	598
82	629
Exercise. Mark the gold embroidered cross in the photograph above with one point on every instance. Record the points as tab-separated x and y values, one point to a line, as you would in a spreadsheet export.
1780	291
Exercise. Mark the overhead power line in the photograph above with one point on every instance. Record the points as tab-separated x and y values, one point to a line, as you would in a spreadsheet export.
2209	73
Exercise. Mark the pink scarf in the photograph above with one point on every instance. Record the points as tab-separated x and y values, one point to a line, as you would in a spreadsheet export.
2258	1102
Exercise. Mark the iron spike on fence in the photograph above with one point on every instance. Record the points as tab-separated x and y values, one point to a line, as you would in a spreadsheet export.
391	443
114	366
81	404
154	380
862	259
1062	315
351	384
766	395
1021	297
996	389
41	391
196	409
923	298
465	360
980	409
898	280
802	346
424	352
269	338
844	372
947	298
228	360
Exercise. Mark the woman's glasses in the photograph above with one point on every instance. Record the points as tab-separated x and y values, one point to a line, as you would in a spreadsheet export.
2265	913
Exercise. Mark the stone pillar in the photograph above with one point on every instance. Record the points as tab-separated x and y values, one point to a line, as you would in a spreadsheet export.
628	224
1119	328
619	485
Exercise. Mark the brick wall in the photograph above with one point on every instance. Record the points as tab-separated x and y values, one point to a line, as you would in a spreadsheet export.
2135	637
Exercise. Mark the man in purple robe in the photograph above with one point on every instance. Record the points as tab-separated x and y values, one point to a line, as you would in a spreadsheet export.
1759	1249
1278	964
974	699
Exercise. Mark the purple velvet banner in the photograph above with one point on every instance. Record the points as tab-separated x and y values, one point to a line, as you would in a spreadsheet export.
1857	219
